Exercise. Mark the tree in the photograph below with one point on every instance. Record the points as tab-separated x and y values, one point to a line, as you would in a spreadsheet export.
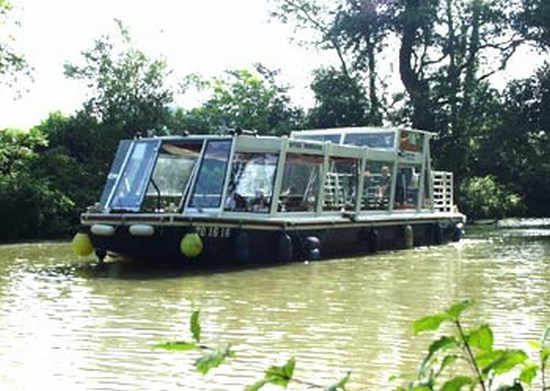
11	62
533	22
448	51
34	207
340	101
128	91
355	30
518	148
242	99
364	26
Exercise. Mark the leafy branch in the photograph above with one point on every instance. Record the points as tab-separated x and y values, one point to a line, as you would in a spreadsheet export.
213	358
475	348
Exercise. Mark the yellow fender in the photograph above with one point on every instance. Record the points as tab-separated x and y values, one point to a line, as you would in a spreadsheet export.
82	245
191	245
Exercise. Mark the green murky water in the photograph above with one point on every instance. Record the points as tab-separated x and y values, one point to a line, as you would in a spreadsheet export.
64	327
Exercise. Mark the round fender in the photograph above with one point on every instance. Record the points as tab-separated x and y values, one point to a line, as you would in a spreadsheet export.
191	244
312	248
437	233
409	236
102	230
241	247
373	240
141	230
458	232
82	245
285	250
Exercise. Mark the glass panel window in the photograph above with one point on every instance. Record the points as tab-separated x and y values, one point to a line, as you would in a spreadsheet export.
333	138
207	192
377	185
411	141
120	156
135	177
407	187
301	181
171	175
251	182
341	185
381	140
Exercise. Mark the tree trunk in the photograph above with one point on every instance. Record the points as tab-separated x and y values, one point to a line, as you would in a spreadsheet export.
417	88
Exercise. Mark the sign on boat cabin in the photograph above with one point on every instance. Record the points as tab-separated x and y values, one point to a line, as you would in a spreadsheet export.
237	198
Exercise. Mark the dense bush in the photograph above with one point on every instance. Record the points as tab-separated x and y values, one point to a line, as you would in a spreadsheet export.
486	198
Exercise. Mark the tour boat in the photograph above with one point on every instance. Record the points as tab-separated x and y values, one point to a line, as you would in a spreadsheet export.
244	198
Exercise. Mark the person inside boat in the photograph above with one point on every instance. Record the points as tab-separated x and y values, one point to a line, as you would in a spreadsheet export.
400	188
259	203
384	185
237	202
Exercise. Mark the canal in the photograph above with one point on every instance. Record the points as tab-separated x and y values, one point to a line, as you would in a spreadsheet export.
66	326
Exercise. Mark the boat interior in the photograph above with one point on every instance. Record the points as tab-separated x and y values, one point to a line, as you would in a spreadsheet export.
311	172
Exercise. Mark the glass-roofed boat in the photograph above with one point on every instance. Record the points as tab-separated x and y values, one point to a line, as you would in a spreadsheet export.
245	198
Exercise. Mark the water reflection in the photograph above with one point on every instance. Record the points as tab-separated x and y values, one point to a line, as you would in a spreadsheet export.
83	326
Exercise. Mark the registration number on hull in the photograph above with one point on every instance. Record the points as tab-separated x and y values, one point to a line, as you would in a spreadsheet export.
214	232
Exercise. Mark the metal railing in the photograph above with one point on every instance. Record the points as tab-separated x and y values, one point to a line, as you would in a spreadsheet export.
443	191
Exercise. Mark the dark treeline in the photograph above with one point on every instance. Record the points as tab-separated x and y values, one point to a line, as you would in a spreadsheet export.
444	52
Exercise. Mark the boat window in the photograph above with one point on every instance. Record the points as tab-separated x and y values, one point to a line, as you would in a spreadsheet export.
207	192
120	156
333	138
340	188
407	186
411	141
173	169
381	140
376	185
251	182
135	177
301	181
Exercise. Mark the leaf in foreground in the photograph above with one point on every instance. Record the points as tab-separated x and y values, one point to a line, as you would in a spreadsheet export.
482	338
195	326
213	359
281	376
179	346
429	323
341	385
456	383
454	311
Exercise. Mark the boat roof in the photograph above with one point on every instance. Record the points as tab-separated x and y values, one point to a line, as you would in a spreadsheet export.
358	130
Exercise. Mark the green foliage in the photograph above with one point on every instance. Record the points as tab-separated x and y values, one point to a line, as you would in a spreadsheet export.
441	369
279	376
518	149
474	346
18	148
340	101
207	361
533	22
32	204
195	326
127	89
76	160
485	198
11	62
341	384
213	358
242	99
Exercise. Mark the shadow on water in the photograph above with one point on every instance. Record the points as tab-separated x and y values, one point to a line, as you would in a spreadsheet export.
134	269
140	270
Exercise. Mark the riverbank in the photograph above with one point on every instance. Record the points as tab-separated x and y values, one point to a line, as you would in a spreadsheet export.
528	222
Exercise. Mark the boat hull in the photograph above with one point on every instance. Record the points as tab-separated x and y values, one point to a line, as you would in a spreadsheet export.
233	242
